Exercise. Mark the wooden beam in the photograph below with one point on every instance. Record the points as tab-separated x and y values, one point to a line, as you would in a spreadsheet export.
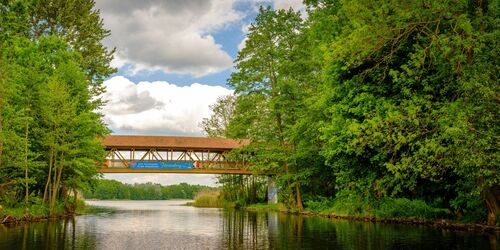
175	171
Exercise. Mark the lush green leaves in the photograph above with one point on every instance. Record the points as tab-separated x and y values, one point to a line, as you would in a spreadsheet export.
111	190
52	67
384	100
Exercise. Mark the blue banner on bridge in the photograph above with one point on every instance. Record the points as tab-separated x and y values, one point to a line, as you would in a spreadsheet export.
162	164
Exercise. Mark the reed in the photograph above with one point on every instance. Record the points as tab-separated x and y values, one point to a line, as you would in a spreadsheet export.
207	197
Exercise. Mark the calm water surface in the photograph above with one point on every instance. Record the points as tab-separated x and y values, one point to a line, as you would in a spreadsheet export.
170	225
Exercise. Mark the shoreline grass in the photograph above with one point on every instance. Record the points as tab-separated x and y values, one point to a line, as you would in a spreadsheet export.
32	213
207	198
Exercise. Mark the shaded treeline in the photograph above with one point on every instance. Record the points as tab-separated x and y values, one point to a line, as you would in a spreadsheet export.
368	104
52	65
112	189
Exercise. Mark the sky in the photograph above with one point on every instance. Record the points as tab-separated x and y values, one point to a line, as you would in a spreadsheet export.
173	59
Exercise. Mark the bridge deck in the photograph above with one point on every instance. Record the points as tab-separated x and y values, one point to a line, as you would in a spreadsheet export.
171	154
172	142
175	171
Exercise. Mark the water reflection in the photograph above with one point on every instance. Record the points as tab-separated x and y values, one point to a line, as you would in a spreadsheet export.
166	225
243	230
53	234
247	230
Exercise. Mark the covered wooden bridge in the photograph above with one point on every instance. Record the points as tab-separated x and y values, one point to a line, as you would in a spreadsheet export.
171	154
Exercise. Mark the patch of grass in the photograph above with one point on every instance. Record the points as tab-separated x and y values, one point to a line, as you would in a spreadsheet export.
401	207
208	198
34	211
15	212
39	210
267	207
80	207
320	204
345	205
354	205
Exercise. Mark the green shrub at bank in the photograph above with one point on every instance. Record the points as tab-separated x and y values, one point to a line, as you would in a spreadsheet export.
207	198
385	208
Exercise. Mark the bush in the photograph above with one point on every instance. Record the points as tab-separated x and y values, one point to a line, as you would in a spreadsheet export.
319	205
267	207
207	198
352	204
349	204
469	208
402	207
39	210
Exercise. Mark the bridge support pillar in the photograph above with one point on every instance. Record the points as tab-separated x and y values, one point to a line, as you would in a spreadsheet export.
272	191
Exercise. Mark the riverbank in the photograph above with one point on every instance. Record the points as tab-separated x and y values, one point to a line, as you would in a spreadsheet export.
39	212
33	214
209	198
436	223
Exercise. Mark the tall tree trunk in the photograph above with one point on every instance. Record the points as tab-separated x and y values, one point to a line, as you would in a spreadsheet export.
64	193
49	176
253	197
75	199
55	189
56	182
292	201
491	197
26	184
1	137
298	192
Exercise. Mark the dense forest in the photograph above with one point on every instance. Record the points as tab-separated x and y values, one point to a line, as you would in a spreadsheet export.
112	189
52	65
376	108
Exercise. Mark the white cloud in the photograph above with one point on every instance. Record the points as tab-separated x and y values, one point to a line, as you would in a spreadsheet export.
173	36
244	30
157	108
297	5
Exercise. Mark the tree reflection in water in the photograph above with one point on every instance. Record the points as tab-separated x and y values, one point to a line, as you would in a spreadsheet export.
249	230
51	234
230	229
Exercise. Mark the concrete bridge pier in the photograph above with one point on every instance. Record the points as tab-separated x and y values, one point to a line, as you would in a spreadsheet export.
272	190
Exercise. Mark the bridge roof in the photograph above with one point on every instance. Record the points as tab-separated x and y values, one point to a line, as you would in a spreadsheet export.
172	142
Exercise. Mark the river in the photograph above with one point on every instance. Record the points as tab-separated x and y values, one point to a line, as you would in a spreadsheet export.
171	225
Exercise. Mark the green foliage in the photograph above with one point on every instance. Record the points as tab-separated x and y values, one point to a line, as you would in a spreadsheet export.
389	106
270	96
52	63
319	204
223	111
352	204
266	207
242	190
111	189
239	190
34	211
355	205
402	207
208	197
402	117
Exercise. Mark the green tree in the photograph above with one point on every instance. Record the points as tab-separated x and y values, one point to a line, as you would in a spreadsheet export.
264	78
411	115
52	66
83	33
223	110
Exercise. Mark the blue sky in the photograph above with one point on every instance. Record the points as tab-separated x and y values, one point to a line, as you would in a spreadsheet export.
173	59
